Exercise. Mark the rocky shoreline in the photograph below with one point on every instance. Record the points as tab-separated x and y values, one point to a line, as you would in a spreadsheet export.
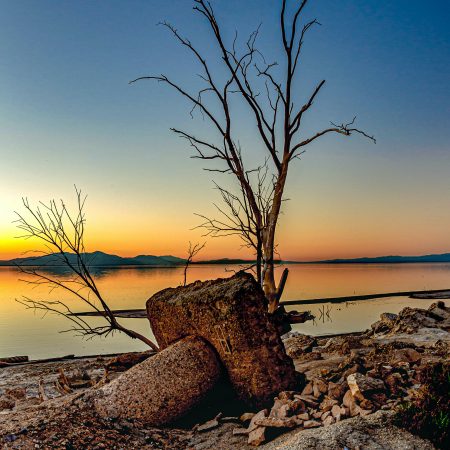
351	388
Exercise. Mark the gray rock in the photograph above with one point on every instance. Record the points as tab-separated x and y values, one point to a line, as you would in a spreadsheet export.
373	432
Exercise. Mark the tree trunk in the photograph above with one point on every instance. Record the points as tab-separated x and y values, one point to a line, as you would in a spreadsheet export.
259	257
269	285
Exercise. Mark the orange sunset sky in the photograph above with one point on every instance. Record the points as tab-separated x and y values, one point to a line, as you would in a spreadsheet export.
68	116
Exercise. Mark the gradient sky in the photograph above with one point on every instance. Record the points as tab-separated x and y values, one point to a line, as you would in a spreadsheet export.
68	116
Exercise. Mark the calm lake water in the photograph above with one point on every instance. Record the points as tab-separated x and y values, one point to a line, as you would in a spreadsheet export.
24	332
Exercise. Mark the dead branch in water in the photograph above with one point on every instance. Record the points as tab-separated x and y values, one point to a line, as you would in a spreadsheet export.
193	251
62	234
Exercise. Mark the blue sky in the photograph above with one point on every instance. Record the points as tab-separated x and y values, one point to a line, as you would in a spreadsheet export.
68	115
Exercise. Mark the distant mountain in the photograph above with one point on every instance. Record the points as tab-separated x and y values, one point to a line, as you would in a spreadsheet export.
225	261
444	257
97	259
100	259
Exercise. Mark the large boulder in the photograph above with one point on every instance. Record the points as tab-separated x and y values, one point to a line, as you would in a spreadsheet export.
164	387
231	314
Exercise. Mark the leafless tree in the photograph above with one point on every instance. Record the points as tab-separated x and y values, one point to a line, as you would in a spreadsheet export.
62	234
272	103
236	217
193	251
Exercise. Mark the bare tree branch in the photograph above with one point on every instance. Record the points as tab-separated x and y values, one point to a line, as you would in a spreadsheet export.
193	251
277	116
63	235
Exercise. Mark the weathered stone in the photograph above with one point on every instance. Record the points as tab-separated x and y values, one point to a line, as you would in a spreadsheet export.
308	399
257	436
231	315
336	390
386	322
319	387
410	320
246	417
280	409
295	407
298	344
311	424
325	415
308	389
209	425
317	414
350	403
286	395
7	402
336	411
366	404
328	403
303	416
125	361
394	382
274	422
17	393
351	370
258	416
379	398
407	354
360	384
328	421
164	387
240	431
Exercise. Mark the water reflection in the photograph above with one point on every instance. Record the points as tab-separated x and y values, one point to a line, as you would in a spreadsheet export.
323	315
23	332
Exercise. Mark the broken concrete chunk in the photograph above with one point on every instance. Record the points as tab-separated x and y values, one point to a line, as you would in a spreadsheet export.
231	314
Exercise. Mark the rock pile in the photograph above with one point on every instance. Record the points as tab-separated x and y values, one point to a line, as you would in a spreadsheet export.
410	320
350	376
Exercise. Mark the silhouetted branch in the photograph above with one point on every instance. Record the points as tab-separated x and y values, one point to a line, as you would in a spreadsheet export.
193	251
278	115
63	236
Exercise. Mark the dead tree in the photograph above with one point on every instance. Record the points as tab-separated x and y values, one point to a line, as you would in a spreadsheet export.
193	251
236	217
63	237
272	104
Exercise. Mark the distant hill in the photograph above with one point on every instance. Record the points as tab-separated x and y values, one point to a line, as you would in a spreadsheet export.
97	259
100	259
444	257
